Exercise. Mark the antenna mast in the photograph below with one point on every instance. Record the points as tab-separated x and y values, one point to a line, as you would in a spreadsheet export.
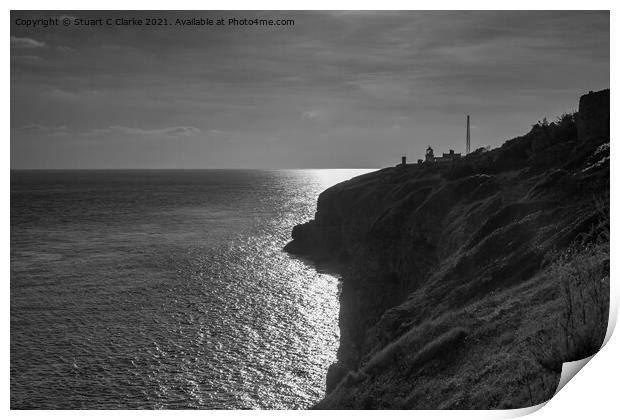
468	138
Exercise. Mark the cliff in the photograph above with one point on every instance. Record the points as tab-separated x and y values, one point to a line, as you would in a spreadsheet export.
467	285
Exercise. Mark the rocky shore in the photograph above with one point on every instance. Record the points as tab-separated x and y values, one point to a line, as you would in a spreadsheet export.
467	285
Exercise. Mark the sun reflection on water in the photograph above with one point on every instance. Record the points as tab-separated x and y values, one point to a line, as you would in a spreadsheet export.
179	296
330	177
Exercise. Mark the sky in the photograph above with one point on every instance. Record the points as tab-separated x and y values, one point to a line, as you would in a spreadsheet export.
335	90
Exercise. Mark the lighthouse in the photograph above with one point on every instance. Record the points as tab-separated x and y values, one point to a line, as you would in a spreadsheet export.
430	155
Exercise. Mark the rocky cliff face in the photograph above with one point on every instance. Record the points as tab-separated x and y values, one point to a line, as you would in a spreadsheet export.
461	288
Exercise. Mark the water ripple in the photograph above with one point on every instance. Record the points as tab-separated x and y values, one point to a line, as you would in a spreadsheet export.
167	290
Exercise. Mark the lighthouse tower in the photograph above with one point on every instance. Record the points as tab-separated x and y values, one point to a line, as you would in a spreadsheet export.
430	155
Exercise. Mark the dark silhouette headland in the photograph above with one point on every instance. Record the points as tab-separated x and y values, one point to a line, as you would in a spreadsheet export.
468	281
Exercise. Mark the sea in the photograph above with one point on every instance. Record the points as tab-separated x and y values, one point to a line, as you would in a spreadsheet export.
167	290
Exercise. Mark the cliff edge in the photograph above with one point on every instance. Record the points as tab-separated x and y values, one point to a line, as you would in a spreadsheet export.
467	285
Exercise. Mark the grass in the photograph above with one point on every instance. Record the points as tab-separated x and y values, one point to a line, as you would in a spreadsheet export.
403	350
582	273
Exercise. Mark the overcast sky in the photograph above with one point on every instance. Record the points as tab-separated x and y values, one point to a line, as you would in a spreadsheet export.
337	89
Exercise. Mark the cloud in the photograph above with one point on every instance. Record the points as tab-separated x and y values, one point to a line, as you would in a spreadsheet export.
46	130
17	42
65	49
39	127
67	94
27	57
115	130
167	132
310	114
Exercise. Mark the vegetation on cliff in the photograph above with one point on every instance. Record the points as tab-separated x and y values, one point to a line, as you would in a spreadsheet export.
468	285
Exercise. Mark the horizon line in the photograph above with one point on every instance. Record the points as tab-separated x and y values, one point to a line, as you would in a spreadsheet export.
189	169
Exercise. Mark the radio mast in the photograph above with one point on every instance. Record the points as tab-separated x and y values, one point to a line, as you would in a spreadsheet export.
468	138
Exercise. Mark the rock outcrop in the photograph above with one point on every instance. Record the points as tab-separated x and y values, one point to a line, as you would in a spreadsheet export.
459	277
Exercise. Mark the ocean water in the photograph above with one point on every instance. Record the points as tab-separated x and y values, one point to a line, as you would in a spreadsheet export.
167	289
